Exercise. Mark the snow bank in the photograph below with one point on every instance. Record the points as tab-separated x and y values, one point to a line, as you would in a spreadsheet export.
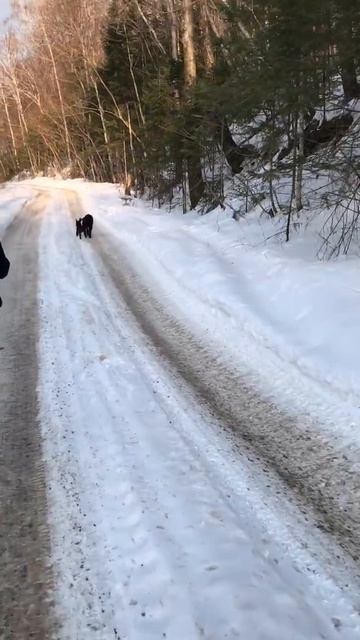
13	196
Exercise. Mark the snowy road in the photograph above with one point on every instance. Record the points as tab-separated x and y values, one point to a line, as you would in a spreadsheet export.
154	533
24	540
166	511
323	478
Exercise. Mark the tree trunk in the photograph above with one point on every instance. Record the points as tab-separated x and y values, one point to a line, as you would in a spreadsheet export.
294	174
234	154
9	123
193	156
175	72
188	45
300	160
349	80
196	183
346	49
104	130
207	47
60	95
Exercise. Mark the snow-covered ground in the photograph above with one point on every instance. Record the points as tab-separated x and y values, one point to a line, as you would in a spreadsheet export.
154	529
159	529
289	320
13	197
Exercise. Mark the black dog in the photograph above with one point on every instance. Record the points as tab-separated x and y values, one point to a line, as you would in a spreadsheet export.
4	266
87	225
84	226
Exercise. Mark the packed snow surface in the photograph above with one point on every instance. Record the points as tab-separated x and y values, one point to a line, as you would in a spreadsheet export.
159	528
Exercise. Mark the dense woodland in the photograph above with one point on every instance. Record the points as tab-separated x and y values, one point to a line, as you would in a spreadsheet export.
170	96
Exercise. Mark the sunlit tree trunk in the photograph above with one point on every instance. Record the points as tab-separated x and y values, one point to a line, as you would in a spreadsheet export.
193	156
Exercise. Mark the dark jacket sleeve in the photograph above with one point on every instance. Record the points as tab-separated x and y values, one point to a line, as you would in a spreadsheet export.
4	263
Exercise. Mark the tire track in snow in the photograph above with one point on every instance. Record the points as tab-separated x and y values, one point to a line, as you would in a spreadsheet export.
25	567
81	475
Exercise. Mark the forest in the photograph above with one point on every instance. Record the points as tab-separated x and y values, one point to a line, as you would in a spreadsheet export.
173	97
